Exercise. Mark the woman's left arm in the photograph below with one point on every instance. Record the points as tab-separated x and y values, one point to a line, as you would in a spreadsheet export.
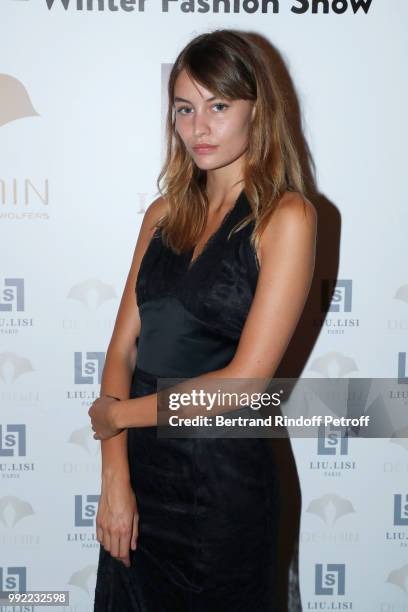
287	256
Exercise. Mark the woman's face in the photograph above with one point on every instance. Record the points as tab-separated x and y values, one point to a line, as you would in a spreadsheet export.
202	118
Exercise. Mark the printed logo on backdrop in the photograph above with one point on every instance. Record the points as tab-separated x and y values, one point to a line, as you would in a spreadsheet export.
332	445
13	445
400	323
246	7
83	439
21	198
400	438
13	511
15	102
90	295
330	583
84	579
84	455
333	365
330	509
336	304
399	464
88	368
85	509
12	302
330	579
13	578
369	398
332	442
398	577
399	397
15	367
399	535
13	441
402	368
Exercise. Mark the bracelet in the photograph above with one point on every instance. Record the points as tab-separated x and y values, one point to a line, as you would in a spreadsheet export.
113	397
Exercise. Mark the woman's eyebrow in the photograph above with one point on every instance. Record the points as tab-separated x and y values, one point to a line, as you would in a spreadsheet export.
178	99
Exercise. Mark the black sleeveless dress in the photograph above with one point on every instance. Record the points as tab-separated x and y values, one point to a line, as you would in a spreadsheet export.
208	507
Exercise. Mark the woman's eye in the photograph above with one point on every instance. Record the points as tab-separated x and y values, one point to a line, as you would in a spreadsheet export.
181	110
221	104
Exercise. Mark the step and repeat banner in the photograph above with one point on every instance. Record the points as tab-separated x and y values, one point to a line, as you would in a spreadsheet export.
82	109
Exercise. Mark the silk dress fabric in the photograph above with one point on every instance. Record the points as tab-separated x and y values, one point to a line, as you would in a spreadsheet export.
208	507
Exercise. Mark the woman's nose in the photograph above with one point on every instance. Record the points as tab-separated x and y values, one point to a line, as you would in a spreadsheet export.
201	125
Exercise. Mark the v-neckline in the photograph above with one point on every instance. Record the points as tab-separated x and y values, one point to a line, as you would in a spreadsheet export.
192	262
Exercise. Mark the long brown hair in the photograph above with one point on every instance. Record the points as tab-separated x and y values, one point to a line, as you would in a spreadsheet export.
232	67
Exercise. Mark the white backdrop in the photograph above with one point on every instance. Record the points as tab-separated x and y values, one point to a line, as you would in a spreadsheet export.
80	151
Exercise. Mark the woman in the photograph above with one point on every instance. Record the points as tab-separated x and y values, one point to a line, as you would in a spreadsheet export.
222	268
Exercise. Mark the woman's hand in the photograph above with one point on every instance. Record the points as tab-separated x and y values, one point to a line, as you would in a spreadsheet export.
117	520
103	418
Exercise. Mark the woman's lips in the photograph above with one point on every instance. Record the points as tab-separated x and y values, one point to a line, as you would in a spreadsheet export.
204	149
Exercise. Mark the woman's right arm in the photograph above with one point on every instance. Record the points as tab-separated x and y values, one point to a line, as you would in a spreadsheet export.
117	517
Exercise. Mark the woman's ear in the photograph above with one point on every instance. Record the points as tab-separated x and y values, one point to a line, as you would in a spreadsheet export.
253	112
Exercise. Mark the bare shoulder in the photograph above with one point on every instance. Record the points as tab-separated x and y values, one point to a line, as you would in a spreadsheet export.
294	220
294	206
285	277
154	212
293	211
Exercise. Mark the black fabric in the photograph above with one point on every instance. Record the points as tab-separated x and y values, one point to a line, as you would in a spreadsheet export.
209	507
